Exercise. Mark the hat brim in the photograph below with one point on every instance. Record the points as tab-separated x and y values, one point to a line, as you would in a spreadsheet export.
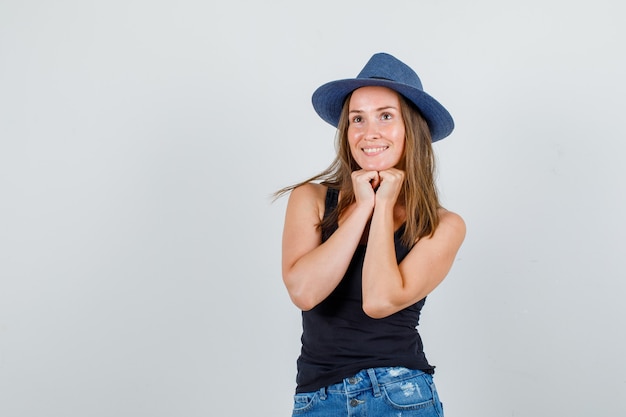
328	102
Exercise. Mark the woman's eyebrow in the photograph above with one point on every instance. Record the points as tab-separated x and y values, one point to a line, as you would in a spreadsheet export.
378	109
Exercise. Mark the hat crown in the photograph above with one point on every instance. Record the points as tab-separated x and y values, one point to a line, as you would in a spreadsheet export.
387	67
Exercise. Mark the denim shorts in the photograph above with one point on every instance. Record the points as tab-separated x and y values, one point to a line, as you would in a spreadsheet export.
374	392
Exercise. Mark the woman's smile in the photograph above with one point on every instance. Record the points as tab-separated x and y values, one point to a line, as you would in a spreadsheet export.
375	151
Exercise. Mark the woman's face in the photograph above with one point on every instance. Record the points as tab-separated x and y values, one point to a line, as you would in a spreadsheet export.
376	132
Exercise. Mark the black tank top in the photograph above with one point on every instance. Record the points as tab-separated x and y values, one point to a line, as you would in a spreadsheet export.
339	339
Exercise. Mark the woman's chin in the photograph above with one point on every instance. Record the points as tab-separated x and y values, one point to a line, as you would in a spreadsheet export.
376	167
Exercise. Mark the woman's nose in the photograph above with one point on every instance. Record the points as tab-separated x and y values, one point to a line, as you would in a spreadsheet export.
372	131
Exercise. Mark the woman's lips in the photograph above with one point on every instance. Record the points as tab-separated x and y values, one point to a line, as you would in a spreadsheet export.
374	151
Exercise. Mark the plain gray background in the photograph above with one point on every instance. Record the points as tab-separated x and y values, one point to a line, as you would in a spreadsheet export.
140	252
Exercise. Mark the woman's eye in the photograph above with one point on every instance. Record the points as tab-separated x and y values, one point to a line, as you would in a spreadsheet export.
386	116
356	119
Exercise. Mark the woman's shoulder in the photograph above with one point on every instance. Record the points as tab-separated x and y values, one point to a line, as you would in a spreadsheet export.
310	194
452	222
310	190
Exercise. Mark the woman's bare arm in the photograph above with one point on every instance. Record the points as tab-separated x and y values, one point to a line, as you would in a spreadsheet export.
312	270
389	287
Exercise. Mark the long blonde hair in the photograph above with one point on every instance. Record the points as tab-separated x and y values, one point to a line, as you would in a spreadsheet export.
420	196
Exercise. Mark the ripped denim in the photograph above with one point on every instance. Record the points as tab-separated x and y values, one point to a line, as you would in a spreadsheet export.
377	392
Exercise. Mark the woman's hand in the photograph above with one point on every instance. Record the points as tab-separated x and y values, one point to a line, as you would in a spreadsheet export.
391	182
364	183
371	187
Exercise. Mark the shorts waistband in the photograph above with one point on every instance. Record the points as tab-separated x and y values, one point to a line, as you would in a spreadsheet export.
371	379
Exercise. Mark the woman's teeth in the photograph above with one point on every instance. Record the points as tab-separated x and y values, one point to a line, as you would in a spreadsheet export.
374	150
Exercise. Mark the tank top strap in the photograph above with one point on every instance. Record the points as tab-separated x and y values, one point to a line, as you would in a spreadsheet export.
332	199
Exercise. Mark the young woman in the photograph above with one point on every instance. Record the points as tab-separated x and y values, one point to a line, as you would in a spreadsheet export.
364	243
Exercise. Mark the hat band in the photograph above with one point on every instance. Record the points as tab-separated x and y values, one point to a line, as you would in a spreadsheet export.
380	78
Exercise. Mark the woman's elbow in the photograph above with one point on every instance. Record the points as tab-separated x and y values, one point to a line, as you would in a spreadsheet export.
302	302
301	298
377	310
